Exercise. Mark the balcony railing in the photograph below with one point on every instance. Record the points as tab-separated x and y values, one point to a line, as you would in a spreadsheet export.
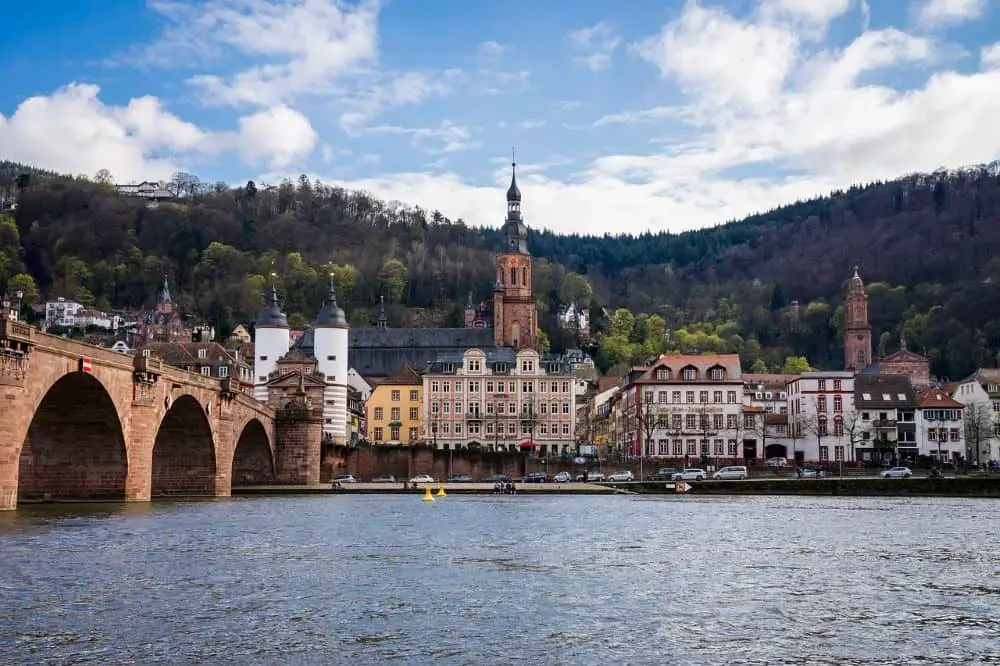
884	423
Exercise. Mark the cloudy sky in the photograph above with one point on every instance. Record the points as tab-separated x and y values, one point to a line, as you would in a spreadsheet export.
626	116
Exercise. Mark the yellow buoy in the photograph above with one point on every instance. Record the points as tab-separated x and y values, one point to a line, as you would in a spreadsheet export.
427	494
441	492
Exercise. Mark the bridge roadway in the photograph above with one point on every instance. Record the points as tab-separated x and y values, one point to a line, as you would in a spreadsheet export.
82	422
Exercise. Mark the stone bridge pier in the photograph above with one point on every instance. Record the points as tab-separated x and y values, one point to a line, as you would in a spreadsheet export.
82	423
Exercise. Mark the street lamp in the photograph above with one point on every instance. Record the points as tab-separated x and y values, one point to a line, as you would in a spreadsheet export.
20	296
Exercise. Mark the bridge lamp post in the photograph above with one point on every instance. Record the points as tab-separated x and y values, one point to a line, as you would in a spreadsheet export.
20	296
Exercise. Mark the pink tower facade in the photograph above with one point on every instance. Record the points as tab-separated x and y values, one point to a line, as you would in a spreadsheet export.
857	333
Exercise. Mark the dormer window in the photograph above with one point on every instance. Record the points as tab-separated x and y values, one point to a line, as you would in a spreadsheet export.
886	397
662	374
717	374
474	365
202	353
690	374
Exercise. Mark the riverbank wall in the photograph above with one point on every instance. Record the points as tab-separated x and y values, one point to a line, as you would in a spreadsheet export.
848	487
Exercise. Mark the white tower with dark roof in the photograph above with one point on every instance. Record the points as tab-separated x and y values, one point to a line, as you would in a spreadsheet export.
330	347
271	340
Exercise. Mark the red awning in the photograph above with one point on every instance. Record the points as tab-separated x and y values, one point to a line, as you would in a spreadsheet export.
527	445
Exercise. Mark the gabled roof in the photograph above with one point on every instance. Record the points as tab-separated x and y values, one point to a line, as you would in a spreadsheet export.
773	380
937	398
291	379
904	355
884	392
728	362
377	352
181	354
405	376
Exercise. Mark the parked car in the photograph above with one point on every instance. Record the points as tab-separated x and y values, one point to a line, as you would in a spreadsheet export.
497	478
535	477
624	475
591	476
459	478
664	474
776	463
809	473
385	478
736	472
422	478
690	474
897	473
344	478
562	477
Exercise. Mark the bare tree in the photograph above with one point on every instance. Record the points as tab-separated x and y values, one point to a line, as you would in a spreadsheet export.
649	420
797	424
755	424
706	428
817	424
978	420
854	429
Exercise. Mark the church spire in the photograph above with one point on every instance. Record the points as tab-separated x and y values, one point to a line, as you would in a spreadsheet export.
514	229
383	320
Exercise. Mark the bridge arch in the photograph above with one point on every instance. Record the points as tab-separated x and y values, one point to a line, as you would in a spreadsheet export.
74	447
253	459
184	451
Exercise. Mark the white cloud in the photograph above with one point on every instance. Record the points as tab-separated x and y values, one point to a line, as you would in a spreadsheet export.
306	45
933	13
450	137
990	56
721	59
598	42
816	11
491	50
279	135
73	131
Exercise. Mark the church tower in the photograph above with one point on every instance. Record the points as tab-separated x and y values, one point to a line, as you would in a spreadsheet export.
857	331
515	317
271	340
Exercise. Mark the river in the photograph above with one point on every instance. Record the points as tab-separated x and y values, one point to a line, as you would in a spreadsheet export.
501	580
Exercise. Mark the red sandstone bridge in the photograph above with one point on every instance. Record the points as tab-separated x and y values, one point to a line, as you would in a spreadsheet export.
81	422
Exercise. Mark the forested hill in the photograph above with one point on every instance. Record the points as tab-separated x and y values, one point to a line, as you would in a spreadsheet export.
925	245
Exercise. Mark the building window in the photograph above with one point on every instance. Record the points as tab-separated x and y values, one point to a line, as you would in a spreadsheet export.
691	450
206	370
822	384
824	453
717	421
394	432
690	374
837	387
731	448
838	452
378	413
732	421
395	396
717	374
446	387
458	428
661	397
414	396
413	414
202	353
223	371
690	421
434	387
458	408
717	447
662	374
527	366
526	387
565	428
474	365
838	404
675	396
702	396
731	397
717	396
413	434
378	434
458	387
395	413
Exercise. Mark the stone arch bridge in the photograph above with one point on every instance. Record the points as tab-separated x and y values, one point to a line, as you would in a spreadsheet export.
81	422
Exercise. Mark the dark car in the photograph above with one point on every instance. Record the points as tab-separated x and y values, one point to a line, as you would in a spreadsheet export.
459	478
663	474
535	477
497	478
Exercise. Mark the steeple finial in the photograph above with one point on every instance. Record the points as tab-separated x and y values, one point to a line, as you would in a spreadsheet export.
333	290
383	320
856	272
902	341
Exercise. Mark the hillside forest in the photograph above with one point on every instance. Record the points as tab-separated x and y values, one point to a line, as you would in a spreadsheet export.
768	287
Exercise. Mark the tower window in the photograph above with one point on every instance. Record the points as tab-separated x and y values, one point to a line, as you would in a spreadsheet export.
524	276
263	358
331	358
513	276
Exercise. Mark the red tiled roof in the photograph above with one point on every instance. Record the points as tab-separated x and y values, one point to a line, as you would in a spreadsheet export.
768	378
937	398
405	376
729	362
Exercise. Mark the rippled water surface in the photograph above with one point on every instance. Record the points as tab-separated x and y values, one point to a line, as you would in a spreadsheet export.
500	580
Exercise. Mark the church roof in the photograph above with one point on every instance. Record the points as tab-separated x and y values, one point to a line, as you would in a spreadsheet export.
378	352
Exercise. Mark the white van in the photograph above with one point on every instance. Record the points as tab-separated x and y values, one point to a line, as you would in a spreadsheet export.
731	473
